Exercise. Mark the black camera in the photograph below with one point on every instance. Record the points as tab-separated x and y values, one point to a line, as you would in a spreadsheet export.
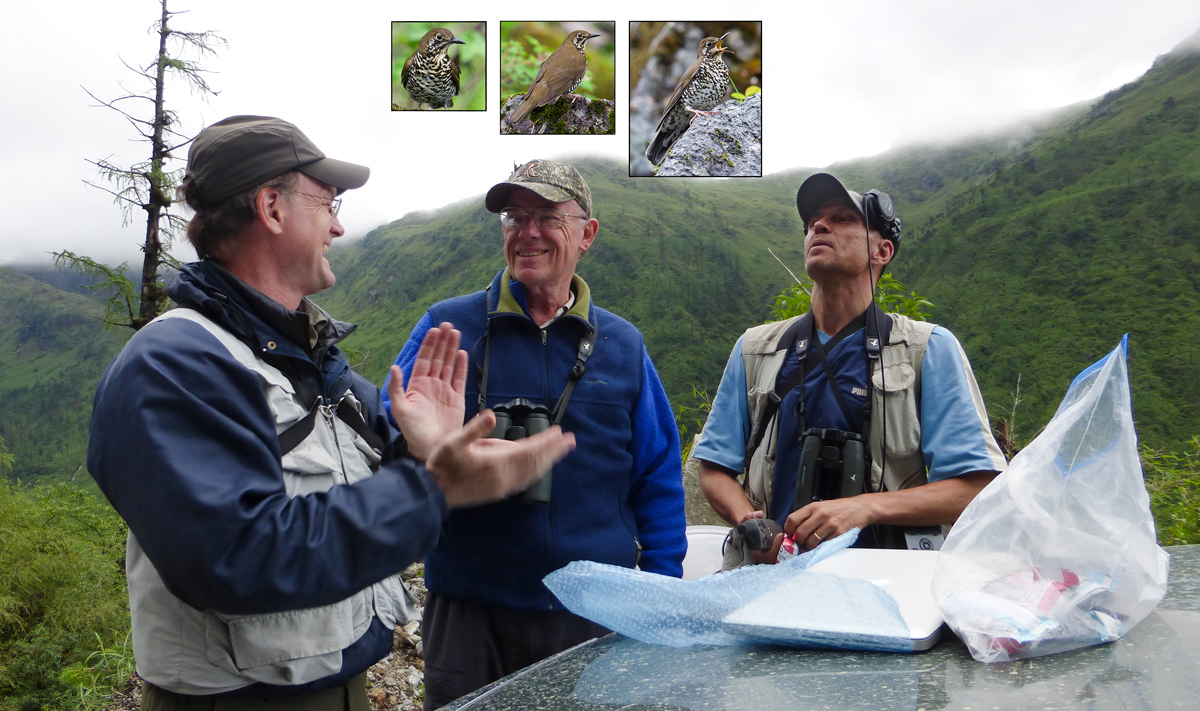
759	533
518	419
833	465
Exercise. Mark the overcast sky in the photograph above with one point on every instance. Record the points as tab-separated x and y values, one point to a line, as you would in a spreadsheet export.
840	80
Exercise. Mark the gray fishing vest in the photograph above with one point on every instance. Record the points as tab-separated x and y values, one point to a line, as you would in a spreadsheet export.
190	651
896	396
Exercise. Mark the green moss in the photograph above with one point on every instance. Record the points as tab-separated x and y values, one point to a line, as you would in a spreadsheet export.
552	116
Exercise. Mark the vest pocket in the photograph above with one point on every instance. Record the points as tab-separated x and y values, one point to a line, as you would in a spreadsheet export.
897	384
291	647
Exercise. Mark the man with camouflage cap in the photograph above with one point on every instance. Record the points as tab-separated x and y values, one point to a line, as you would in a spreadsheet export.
538	343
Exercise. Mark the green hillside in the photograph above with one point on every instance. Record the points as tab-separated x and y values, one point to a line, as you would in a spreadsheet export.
52	353
1039	264
1039	247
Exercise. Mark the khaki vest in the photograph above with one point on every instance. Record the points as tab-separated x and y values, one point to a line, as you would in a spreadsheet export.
190	651
899	403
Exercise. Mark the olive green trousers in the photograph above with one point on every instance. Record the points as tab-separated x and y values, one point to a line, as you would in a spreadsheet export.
352	696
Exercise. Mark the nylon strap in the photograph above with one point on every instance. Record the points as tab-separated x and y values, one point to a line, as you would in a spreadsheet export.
587	345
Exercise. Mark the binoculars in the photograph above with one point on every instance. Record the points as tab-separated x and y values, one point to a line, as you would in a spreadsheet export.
518	419
833	465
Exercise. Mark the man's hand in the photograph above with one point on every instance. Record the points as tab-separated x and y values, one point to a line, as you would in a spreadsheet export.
932	504
432	406
822	520
471	470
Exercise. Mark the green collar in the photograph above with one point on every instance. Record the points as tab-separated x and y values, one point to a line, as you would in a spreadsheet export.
583	298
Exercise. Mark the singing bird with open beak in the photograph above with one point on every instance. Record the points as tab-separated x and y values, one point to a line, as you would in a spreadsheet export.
559	75
430	76
703	86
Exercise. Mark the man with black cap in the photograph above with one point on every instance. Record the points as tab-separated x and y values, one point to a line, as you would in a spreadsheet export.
271	505
845	417
543	351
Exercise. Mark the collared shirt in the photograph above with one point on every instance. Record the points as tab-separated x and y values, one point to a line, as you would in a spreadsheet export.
306	325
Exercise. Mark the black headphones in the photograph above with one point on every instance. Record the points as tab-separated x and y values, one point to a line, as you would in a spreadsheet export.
880	213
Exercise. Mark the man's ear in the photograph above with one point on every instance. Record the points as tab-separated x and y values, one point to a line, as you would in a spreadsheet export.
268	208
590	228
884	250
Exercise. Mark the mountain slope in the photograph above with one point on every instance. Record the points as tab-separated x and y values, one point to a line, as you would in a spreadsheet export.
1089	232
1039	246
52	353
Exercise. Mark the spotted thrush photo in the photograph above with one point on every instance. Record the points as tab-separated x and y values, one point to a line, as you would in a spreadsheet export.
430	76
703	87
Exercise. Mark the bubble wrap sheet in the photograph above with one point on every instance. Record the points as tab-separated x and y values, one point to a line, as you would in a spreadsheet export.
804	608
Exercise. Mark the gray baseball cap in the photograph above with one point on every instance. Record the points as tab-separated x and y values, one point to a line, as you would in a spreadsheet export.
557	182
243	151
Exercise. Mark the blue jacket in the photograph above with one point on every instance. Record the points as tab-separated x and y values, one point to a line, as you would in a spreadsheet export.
184	445
618	494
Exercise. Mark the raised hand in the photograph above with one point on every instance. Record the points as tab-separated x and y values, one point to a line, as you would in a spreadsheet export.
432	406
472	470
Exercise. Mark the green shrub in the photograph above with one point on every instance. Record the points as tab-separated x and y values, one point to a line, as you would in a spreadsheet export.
1173	480
61	594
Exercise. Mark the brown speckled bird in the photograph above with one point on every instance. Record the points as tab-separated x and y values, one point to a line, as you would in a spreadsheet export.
430	76
559	75
702	87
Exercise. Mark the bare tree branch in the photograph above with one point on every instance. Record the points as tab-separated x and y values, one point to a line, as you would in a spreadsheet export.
149	186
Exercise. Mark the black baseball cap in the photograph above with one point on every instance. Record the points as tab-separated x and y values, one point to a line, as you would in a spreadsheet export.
243	151
821	189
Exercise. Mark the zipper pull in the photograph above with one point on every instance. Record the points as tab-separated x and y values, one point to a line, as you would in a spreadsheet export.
543	336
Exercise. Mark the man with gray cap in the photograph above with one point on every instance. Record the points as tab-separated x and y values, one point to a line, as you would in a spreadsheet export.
542	351
271	505
844	417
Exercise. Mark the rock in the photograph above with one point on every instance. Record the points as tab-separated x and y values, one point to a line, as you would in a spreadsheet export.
571	114
725	143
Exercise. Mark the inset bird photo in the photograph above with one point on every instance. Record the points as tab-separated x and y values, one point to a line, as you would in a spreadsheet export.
557	77
439	66
695	98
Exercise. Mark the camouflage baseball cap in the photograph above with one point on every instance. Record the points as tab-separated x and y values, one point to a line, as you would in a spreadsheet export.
557	182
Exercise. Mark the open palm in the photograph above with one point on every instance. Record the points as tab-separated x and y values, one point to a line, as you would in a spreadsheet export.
432	405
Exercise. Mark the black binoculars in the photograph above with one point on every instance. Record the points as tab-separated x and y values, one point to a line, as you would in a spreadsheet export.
833	465
518	419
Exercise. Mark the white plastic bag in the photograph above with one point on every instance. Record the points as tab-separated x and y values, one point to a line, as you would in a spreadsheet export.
1060	551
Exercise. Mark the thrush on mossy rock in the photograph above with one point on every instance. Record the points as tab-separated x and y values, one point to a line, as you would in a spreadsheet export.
559	75
702	88
430	76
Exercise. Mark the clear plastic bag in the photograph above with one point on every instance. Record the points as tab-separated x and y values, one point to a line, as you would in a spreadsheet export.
1060	551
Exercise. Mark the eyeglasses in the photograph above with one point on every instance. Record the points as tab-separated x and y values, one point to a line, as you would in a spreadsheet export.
334	204
546	218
